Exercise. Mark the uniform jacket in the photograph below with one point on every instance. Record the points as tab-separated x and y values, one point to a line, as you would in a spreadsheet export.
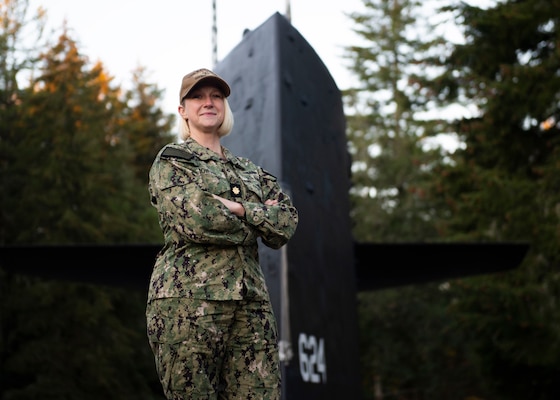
210	253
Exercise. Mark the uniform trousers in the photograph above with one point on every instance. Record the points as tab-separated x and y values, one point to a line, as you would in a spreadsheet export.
215	349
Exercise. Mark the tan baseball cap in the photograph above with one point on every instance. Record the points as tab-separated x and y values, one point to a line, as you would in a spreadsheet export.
203	74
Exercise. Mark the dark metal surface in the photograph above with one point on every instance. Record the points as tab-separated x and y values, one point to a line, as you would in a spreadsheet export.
289	119
384	265
378	265
126	266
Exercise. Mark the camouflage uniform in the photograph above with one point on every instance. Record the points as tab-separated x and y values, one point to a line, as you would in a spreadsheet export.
210	321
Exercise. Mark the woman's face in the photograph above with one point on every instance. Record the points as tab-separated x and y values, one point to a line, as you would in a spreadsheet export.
204	109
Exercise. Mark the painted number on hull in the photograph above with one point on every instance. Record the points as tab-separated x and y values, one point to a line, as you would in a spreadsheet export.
312	362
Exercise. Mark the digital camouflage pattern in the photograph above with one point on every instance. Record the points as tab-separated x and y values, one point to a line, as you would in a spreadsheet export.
209	268
209	252
208	349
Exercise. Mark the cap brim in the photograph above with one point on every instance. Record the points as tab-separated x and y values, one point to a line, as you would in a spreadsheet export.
219	83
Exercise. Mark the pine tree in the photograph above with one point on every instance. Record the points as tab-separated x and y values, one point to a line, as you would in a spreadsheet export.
503	186
404	344
146	127
389	143
69	176
20	39
76	159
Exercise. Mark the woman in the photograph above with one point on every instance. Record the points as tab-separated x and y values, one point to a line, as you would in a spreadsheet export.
210	320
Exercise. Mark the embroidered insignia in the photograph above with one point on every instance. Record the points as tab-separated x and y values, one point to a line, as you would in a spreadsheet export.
170	152
235	189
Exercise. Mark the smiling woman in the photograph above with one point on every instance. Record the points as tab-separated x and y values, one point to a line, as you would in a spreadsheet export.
210	320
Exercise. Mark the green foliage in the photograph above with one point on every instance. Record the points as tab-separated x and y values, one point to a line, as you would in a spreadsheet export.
75	151
76	173
390	146
514	327
67	341
413	350
488	337
144	123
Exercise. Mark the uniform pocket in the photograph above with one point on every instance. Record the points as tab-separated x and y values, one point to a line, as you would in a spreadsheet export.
167	321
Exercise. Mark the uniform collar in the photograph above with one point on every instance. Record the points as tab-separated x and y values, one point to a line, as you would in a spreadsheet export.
206	154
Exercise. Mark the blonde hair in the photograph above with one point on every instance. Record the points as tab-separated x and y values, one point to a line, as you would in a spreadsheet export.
223	130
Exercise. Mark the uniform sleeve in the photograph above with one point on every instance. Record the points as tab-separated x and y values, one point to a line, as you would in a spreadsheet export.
189	213
275	224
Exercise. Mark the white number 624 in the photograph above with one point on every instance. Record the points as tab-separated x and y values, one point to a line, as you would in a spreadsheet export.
312	362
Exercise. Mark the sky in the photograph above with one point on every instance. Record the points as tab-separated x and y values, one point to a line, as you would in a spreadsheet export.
170	38
173	37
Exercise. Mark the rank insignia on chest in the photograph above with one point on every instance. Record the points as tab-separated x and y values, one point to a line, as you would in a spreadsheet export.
235	189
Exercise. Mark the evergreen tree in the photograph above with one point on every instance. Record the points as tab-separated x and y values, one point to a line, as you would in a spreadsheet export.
145	125
406	345
503	186
387	139
20	38
73	341
409	349
75	159
69	175
497	335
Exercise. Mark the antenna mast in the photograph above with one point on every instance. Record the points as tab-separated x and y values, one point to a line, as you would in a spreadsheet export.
214	35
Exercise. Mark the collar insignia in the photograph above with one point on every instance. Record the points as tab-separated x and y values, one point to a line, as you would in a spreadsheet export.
235	189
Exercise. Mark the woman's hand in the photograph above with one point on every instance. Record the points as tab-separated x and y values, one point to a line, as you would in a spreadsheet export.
237	208
234	207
